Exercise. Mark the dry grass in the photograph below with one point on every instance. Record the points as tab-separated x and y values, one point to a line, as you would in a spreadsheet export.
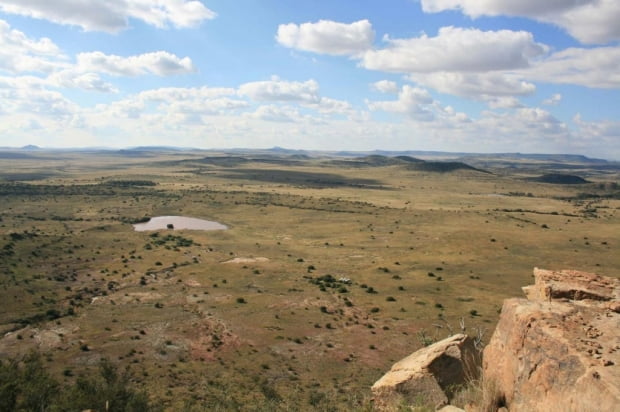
173	314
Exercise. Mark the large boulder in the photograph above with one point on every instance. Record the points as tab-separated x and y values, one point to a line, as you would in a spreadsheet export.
430	375
558	350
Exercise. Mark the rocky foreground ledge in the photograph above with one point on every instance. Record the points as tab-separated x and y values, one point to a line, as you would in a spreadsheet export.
557	350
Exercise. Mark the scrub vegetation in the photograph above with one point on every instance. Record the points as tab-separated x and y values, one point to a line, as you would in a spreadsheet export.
331	269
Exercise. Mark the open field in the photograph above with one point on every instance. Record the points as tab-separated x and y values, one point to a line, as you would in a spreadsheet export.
332	269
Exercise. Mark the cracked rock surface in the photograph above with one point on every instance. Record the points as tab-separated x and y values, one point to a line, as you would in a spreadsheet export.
559	349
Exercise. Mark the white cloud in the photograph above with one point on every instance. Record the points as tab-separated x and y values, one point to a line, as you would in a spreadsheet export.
112	15
208	107
273	113
327	37
542	118
412	101
27	96
477	86
477	8
19	53
86	81
605	134
456	50
504	102
589	21
597	67
176	101
328	106
554	100
385	86
160	63
283	91
171	94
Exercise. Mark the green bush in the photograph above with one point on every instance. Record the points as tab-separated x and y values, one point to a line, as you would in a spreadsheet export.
25	385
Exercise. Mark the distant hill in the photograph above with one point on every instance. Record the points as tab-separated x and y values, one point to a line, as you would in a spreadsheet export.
409	162
444	167
561	158
559	179
156	149
409	159
30	147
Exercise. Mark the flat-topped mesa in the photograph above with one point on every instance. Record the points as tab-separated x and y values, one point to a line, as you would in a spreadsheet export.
559	349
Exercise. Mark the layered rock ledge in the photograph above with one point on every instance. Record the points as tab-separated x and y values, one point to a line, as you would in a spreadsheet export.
559	349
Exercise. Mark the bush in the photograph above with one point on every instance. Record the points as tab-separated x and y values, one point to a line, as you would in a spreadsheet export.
25	385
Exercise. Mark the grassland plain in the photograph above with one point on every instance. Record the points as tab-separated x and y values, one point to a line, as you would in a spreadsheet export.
330	271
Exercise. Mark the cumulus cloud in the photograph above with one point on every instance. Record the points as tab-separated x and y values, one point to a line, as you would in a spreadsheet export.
385	86
86	81
596	67
554	100
196	101
185	93
86	72
525	129
160	63
273	113
283	91
112	15
328	105
504	102
328	37
489	66
456	50
25	95
606	132
476	86
412	101
589	21
19	53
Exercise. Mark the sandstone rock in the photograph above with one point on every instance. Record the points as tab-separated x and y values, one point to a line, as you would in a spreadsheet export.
450	408
429	375
572	285
559	350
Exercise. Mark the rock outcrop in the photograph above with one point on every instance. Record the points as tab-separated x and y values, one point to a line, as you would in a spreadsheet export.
559	349
428	376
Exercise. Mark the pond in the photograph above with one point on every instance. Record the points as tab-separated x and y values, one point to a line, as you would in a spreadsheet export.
178	223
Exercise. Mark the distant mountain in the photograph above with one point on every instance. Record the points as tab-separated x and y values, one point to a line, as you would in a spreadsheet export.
30	147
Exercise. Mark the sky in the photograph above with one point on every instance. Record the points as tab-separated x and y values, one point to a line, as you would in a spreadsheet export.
527	76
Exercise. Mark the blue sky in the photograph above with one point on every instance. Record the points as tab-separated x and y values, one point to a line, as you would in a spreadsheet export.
453	75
